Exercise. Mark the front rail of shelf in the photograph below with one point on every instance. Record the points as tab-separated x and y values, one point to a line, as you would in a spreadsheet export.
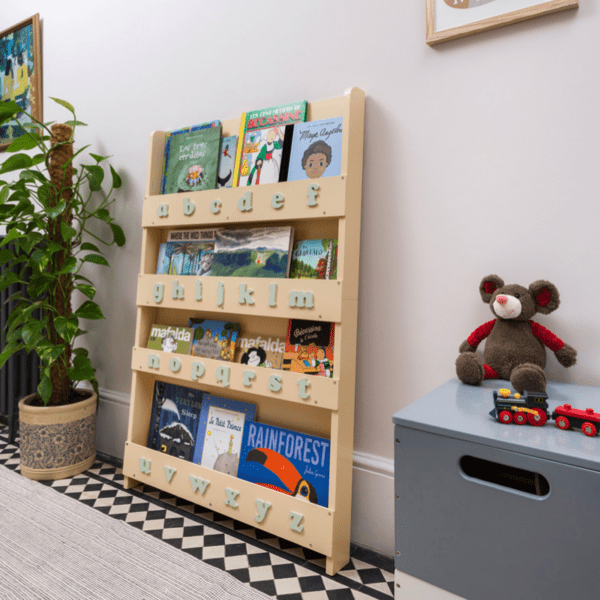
311	299
290	200
287	386
299	521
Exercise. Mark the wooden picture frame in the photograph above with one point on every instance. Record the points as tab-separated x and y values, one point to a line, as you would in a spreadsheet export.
452	19
21	72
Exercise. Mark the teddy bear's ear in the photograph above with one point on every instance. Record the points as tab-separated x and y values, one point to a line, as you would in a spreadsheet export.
545	295
488	286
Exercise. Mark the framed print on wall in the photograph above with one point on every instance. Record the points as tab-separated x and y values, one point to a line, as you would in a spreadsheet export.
21	72
451	19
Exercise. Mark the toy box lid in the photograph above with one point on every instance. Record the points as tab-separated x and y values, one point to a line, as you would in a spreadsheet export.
462	412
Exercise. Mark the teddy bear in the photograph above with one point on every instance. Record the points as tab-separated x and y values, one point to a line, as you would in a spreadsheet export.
514	347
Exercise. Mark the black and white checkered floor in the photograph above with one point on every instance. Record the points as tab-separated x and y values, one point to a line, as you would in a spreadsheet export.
250	555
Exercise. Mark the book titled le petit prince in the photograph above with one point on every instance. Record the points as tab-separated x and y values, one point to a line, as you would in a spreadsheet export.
191	158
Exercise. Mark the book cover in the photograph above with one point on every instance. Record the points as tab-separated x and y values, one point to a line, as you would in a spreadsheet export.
261	141
174	419
257	351
214	339
316	150
287	461
314	259
220	433
191	158
187	252
169	338
254	252
227	156
309	347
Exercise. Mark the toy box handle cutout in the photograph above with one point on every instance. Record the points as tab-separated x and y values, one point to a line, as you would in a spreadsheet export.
504	476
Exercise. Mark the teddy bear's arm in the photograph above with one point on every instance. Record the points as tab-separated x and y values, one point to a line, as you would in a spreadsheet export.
565	354
471	343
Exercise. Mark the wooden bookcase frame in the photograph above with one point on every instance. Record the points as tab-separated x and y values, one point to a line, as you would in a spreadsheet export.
328	410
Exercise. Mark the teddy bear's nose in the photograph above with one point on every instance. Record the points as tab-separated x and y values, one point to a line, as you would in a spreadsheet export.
501	299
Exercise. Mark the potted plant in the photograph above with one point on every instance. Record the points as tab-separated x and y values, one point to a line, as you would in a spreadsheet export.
52	210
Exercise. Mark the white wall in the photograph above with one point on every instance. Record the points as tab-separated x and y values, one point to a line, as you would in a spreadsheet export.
480	157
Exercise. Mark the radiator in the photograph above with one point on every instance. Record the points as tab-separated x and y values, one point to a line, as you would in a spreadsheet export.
20	375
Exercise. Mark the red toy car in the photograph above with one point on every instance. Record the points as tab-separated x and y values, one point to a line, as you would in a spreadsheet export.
566	416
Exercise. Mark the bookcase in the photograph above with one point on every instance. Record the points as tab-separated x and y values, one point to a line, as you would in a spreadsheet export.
320	208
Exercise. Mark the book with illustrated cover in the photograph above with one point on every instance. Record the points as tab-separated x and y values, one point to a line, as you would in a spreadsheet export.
174	419
289	462
254	252
168	338
314	259
222	423
227	156
309	347
261	143
214	339
256	351
187	252
191	158
316	150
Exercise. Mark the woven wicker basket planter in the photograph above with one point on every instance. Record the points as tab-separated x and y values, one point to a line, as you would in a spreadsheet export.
57	441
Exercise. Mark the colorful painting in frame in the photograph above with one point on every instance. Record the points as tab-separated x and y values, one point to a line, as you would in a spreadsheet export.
452	19
21	73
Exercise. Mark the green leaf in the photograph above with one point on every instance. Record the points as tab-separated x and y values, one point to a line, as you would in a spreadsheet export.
9	349
40	258
89	310
103	214
8	278
57	210
118	234
75	123
32	331
88	290
48	353
44	389
96	259
69	266
67	232
97	157
116	179
16	162
4	192
37	159
65	104
96	176
24	142
13	234
80	374
66	328
5	256
8	110
89	246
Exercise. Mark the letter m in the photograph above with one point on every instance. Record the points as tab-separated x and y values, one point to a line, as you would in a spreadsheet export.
301	299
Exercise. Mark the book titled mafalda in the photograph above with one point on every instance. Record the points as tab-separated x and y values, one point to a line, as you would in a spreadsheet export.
309	347
187	252
257	350
286	461
314	259
169	338
253	252
214	339
174	420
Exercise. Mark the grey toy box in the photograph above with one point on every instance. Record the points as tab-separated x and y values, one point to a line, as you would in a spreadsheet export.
491	511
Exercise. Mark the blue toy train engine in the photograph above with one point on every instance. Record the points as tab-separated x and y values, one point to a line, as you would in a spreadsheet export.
528	407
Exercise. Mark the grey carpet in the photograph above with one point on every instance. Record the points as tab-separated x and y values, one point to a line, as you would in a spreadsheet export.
53	547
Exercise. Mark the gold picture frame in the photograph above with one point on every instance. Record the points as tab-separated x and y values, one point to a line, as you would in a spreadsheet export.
21	72
450	19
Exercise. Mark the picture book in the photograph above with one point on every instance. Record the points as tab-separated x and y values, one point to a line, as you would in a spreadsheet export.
214	339
316	149
309	347
286	461
227	155
222	423
191	158
255	351
174	419
168	338
254	252
187	252
261	140
314	259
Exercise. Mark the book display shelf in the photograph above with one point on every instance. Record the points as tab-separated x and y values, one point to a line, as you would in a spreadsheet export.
328	207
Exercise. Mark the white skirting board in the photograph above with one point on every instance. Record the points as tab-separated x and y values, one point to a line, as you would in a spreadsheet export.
408	587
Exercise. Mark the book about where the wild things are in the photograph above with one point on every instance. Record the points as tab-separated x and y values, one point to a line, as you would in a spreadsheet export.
286	461
191	158
316	150
174	419
187	252
314	259
214	339
222	423
227	161
261	143
257	350
253	252
169	338
309	347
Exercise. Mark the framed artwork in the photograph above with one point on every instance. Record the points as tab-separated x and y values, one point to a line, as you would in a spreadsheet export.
451	19
21	72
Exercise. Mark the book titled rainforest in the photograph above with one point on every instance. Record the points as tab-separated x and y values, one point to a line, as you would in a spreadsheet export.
314	259
174	419
286	461
169	338
214	339
309	347
187	252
